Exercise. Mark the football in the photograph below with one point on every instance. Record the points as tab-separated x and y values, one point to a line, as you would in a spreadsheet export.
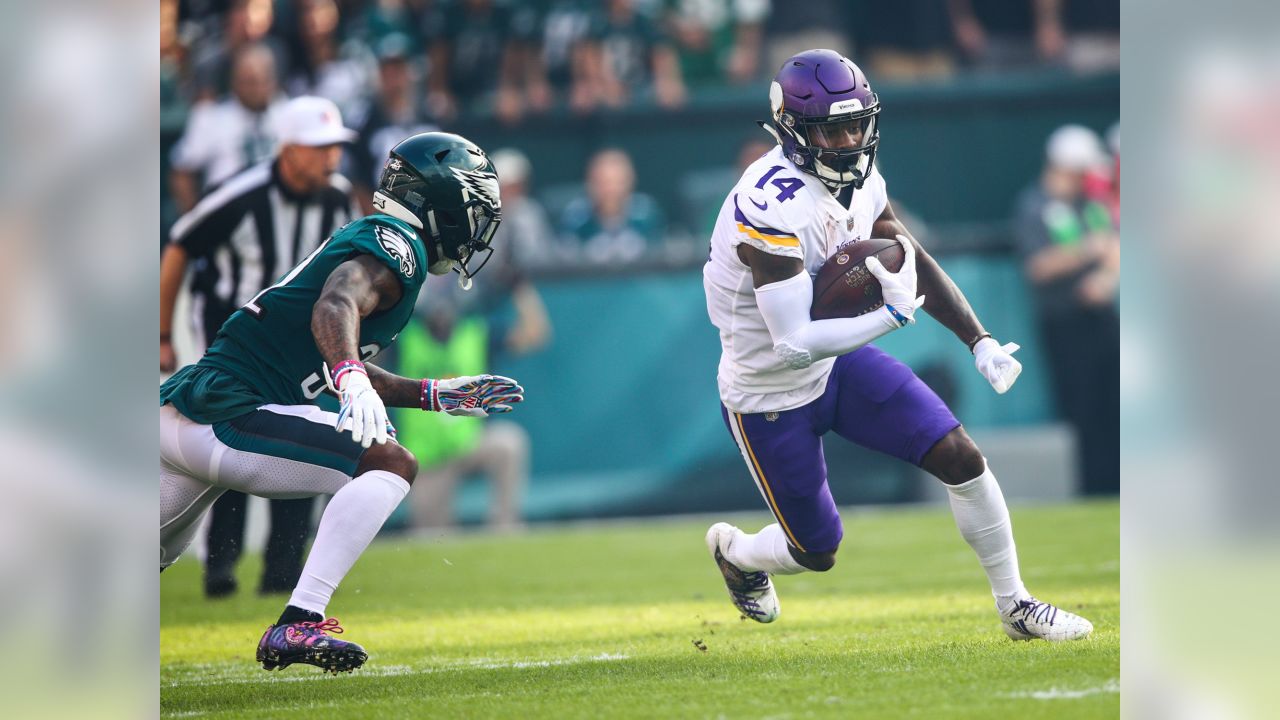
844	287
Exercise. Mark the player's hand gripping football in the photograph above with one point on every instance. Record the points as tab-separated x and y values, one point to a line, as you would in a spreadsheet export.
899	289
359	404
996	363
471	395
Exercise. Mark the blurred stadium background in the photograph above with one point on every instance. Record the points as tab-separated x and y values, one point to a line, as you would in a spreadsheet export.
621	417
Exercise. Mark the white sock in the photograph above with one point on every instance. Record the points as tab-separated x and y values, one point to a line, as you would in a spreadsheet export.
349	523
983	519
766	550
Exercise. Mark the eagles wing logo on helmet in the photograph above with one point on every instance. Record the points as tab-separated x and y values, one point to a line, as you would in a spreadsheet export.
479	184
397	247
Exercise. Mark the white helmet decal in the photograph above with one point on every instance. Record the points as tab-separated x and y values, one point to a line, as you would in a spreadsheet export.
844	106
480	184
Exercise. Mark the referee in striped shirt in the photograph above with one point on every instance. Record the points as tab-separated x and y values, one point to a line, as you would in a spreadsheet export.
239	238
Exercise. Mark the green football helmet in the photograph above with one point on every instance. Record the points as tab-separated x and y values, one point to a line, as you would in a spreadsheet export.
444	185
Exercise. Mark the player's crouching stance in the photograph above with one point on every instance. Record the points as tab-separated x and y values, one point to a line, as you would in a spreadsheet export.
786	380
241	418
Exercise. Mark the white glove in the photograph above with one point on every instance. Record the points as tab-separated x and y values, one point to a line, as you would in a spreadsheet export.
360	405
996	363
899	289
471	395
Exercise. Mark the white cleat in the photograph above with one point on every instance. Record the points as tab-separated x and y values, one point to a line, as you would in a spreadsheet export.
1031	619
752	592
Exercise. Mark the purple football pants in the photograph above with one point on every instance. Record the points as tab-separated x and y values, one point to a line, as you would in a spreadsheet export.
871	399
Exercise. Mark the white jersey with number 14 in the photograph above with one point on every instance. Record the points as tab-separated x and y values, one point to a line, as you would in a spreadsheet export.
780	210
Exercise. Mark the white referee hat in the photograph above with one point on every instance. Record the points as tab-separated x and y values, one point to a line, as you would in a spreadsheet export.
313	121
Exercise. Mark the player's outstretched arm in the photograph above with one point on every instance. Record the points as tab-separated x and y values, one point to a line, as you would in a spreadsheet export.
472	395
784	294
948	305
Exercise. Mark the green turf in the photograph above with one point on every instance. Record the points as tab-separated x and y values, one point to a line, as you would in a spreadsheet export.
606	622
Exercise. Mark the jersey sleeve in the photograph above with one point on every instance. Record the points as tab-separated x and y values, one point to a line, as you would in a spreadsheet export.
393	248
758	225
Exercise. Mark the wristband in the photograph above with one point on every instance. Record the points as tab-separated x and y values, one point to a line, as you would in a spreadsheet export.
429	398
902	321
974	342
166	337
344	367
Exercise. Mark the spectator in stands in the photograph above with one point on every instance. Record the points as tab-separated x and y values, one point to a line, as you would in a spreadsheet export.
472	58
717	40
613	224
530	76
1071	255
631	52
906	40
223	138
798	26
173	56
1092	34
525	232
1084	35
564	63
381	18
396	112
320	67
246	23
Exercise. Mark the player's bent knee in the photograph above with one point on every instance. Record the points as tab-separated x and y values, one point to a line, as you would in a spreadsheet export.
815	561
955	459
390	457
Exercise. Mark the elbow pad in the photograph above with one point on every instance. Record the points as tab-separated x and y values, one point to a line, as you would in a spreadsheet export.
795	358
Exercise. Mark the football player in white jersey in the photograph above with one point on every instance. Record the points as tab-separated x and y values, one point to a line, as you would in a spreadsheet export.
786	380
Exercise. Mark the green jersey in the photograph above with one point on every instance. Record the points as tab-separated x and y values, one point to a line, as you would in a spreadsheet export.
265	352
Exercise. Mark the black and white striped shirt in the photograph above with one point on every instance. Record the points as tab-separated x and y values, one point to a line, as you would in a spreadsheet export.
248	232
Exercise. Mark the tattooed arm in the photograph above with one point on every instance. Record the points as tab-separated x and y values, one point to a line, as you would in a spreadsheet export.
356	289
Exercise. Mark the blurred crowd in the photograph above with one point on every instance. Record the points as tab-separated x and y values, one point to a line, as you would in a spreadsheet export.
398	67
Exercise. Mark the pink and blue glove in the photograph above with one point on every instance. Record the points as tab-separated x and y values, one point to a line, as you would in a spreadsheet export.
471	395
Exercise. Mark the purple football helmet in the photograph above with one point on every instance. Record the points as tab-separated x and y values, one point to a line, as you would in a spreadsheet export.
824	116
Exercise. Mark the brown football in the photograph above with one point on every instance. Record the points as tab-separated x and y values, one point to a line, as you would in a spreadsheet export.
844	287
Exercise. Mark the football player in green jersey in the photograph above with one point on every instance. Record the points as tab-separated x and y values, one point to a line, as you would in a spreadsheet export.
242	417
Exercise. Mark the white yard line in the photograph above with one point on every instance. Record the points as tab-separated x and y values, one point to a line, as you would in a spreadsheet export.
1054	693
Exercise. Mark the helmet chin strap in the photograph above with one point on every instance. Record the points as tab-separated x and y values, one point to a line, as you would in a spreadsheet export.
767	127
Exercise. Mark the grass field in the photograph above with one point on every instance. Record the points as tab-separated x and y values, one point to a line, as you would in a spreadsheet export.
632	620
